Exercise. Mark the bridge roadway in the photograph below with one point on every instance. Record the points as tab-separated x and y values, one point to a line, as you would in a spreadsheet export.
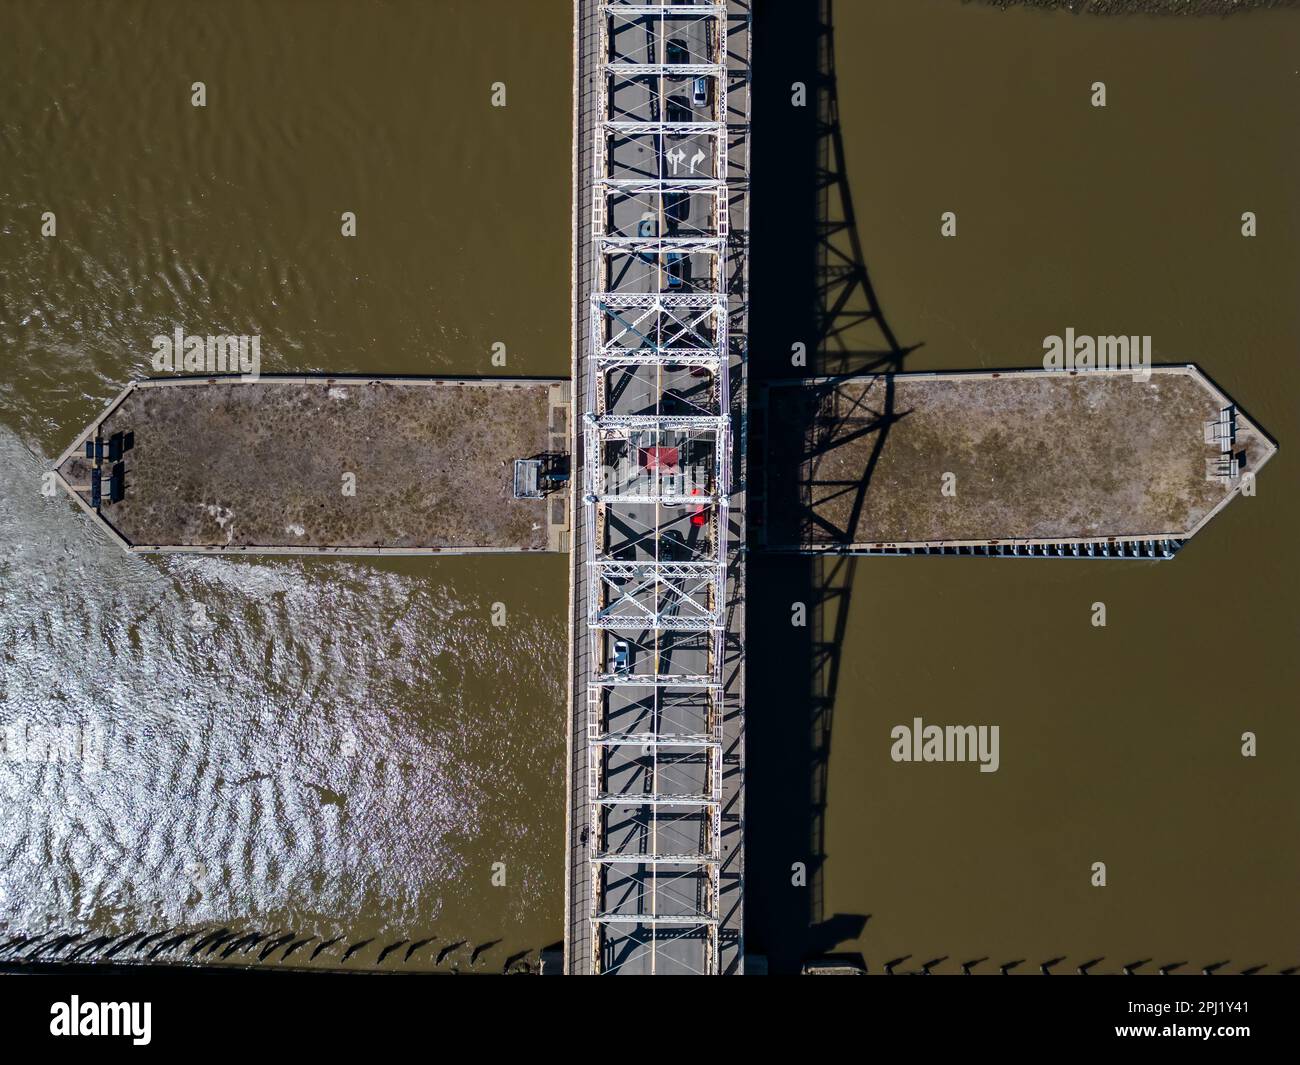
654	850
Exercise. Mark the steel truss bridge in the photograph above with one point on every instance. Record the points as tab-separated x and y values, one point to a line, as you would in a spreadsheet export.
656	751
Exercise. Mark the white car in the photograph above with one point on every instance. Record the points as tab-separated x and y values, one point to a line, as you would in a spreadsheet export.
622	658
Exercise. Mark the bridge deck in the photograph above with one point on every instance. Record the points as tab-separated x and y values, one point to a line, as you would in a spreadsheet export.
655	835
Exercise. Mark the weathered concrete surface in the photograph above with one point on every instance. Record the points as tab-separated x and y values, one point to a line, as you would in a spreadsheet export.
224	464
1036	456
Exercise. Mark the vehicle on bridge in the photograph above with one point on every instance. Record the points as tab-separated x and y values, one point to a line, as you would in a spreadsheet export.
677	52
622	658
676	269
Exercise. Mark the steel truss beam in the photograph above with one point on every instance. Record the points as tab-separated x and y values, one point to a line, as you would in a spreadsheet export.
651	799
662	245
662	571
661	331
627	611
666	299
686	422
703	357
656	736
654	859
636	334
652	739
641	186
649	921
693	681
683	591
690	602
673	11
664	622
667	499
638	70
634	126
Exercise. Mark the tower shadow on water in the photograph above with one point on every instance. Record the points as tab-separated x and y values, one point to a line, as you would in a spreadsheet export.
809	287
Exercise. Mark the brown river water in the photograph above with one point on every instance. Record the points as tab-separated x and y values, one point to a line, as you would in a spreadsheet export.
320	748
338	748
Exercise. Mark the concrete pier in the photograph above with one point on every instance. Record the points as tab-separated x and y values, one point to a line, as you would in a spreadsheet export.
317	465
933	461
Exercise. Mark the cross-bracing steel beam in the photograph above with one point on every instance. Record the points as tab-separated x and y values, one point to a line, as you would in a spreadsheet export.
646	919
654	859
652	739
660	333
652	680
637	70
664	10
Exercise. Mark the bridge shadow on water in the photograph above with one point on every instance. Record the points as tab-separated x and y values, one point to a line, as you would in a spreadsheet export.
808	286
